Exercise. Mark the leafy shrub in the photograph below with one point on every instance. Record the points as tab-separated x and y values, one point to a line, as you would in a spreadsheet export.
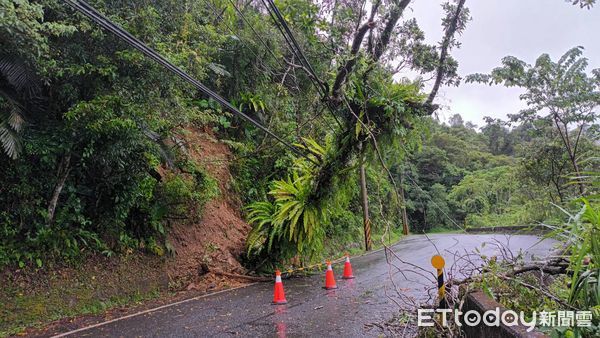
184	195
111	199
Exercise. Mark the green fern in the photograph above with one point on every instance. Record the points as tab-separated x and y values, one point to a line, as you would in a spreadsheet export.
302	219
293	221
260	214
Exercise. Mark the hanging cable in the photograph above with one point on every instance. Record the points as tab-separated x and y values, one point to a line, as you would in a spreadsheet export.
89	11
289	43
285	37
294	47
220	17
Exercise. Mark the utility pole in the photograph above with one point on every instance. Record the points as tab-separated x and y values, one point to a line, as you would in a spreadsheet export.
403	206
365	200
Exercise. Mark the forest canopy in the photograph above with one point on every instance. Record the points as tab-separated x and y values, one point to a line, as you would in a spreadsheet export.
92	130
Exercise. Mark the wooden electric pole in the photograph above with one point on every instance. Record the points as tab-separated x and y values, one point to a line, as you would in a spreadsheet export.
365	200
403	206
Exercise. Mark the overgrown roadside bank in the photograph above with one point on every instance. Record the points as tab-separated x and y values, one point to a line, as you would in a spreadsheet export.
102	287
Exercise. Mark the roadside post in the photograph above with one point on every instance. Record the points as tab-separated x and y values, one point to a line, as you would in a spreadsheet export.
438	263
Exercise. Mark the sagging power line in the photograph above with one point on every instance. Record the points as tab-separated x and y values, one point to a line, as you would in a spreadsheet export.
90	12
269	50
294	47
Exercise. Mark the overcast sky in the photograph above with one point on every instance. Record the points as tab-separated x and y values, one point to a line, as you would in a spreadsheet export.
521	28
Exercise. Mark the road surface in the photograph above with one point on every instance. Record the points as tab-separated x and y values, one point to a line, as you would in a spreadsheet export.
357	308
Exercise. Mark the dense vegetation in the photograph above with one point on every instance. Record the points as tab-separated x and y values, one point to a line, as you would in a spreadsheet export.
86	123
93	148
463	177
92	131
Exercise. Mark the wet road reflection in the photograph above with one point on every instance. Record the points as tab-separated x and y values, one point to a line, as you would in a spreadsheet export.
279	319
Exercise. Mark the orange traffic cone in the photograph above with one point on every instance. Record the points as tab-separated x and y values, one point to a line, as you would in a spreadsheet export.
278	294
347	269
329	278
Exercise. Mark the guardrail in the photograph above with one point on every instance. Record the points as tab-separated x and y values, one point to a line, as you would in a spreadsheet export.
524	229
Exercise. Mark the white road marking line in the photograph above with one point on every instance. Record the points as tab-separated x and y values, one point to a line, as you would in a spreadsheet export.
150	310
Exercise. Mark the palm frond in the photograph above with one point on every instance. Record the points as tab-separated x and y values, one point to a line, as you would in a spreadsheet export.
292	220
10	140
18	76
20	90
15	119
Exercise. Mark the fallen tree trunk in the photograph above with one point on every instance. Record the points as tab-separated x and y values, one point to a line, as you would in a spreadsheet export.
235	275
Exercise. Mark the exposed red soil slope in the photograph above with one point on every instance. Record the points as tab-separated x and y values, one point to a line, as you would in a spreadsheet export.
218	239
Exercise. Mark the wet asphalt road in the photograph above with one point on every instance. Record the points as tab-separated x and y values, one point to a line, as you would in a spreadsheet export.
313	311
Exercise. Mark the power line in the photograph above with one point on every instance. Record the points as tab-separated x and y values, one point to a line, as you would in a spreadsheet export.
291	40
269	49
220	16
294	47
289	44
94	15
303	59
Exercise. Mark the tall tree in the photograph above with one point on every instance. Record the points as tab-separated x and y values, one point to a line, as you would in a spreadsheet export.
456	121
498	136
561	92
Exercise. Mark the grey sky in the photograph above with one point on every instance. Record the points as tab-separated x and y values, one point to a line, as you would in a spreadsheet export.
522	28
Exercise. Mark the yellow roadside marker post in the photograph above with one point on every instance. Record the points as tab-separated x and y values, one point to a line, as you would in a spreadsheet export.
438	262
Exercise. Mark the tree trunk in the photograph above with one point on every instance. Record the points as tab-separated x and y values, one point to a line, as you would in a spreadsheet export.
64	168
571	151
403	207
578	173
444	52
365	203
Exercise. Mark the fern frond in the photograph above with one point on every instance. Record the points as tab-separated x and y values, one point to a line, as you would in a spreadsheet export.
10	140
16	73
